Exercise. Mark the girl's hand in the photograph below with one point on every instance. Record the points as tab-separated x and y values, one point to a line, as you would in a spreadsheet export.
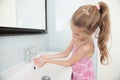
44	56
36	60
42	63
39	62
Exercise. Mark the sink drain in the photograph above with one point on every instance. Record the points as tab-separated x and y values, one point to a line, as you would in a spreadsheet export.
46	78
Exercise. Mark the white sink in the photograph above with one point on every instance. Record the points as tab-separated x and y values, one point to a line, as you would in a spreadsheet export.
27	72
55	72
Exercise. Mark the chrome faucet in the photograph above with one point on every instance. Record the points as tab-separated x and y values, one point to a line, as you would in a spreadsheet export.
29	55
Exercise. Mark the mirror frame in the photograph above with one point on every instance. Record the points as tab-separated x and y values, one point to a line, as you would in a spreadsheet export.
4	30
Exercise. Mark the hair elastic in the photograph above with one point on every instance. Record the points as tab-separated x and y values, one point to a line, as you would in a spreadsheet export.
98	6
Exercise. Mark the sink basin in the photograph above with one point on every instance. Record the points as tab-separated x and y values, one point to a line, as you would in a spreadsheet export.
55	72
25	71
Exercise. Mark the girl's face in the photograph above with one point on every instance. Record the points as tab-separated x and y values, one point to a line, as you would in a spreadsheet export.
76	32
75	29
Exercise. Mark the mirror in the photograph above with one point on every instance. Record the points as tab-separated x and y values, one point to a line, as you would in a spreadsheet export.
23	16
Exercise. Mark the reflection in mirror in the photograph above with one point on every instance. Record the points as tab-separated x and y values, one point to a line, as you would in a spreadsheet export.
30	14
23	16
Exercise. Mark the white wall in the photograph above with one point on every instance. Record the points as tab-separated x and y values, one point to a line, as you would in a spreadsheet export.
112	71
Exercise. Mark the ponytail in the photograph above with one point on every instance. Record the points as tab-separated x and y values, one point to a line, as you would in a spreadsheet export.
104	32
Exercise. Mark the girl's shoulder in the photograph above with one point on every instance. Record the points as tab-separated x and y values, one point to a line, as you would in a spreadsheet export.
89	46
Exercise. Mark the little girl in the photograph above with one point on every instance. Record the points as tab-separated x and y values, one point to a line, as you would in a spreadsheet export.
84	23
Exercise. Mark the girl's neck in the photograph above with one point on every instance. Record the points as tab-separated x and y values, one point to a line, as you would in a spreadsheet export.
82	39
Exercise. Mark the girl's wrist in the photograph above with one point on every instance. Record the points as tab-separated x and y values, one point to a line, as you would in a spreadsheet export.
46	60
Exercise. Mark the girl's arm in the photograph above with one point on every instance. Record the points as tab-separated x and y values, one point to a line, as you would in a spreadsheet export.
61	54
82	51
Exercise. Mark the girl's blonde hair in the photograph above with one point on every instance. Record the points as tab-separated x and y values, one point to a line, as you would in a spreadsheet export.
91	18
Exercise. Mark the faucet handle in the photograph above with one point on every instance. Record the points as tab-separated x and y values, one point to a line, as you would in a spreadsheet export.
27	51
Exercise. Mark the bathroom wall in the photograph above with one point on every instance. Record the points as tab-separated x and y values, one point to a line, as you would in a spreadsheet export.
112	71
51	9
